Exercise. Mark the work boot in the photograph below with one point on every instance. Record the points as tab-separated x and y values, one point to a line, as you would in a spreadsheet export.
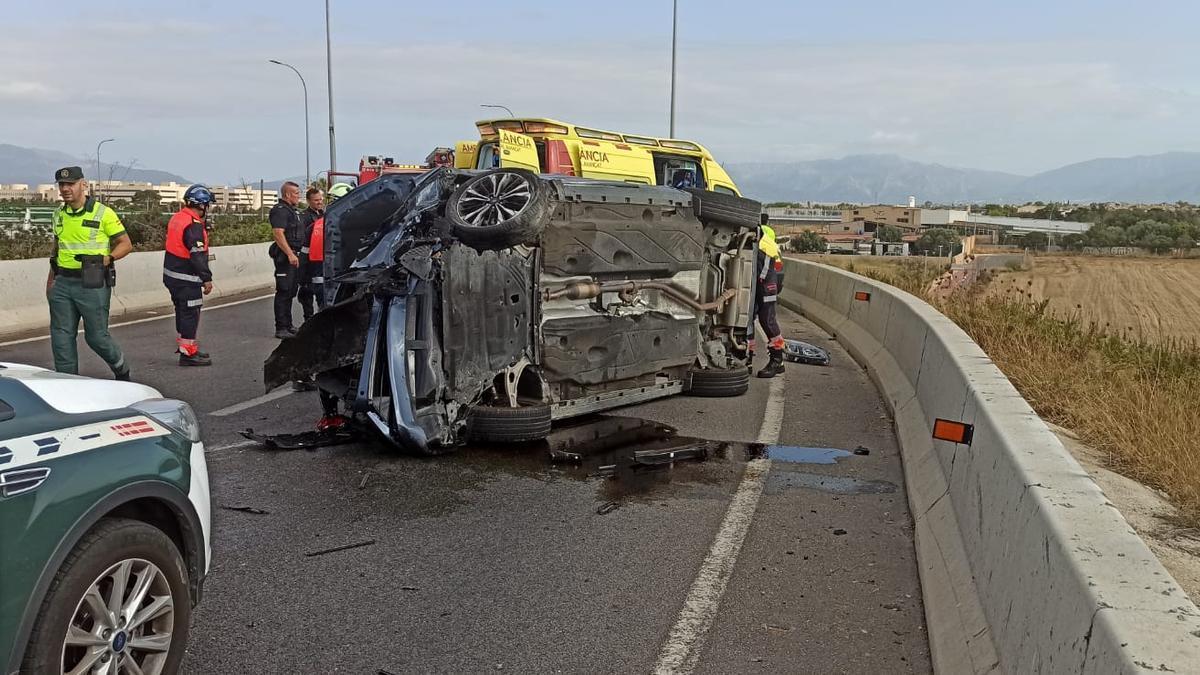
197	359
203	355
123	377
285	333
774	365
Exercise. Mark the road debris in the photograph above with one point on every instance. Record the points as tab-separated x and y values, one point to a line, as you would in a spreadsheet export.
335	549
861	450
246	509
839	532
607	508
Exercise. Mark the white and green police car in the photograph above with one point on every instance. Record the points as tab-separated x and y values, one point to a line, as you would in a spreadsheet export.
104	524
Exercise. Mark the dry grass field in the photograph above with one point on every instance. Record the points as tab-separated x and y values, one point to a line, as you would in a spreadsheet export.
1150	298
1106	347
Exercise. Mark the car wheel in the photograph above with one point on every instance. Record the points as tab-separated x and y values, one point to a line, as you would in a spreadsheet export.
719	383
730	209
498	209
118	604
508	425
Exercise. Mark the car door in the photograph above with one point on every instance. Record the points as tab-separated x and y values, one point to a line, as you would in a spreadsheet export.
518	151
615	161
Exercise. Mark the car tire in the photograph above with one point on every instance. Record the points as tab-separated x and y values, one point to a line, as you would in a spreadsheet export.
114	544
729	209
494	424
714	383
477	221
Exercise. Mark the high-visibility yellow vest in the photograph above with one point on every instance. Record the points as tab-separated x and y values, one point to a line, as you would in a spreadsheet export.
85	232
766	243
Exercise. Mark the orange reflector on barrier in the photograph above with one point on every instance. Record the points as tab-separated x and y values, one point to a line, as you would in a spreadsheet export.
862	295
955	432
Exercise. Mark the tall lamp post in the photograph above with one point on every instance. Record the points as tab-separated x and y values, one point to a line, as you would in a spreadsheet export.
503	107
674	30
307	172
98	160
329	82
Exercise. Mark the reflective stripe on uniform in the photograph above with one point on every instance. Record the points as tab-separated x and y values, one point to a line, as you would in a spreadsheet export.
317	280
304	249
181	276
195	303
770	298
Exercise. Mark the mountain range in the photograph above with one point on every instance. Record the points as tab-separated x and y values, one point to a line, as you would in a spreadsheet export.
886	179
32	166
889	179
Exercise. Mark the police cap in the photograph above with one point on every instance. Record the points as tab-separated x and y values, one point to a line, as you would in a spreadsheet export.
68	174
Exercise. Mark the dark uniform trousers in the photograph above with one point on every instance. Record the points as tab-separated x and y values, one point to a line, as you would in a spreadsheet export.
188	299
287	285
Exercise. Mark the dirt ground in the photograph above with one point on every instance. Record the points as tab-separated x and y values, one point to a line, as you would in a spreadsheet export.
1154	298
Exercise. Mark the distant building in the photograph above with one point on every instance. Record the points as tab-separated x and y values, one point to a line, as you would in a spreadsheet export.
227	197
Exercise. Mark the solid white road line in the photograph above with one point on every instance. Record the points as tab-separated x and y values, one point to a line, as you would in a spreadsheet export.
681	650
145	320
258	400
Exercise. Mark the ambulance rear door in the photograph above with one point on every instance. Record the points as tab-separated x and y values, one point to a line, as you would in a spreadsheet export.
464	154
518	151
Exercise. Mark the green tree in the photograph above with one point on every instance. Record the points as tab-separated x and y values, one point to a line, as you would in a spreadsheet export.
889	233
1074	241
938	241
807	242
1035	240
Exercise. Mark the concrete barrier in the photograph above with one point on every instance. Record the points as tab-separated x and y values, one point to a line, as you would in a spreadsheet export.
1025	566
236	269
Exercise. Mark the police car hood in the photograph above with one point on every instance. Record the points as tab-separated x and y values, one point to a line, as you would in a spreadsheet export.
74	394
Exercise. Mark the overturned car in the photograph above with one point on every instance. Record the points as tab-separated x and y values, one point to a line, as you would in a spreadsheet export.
485	305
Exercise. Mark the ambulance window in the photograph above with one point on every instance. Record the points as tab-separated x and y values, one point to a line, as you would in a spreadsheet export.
668	169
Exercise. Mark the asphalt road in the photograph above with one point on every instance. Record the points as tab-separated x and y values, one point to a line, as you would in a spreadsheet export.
493	559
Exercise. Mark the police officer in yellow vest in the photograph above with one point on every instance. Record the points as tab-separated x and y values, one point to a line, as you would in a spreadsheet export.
88	237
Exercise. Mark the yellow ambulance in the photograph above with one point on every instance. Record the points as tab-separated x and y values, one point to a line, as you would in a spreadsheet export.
549	146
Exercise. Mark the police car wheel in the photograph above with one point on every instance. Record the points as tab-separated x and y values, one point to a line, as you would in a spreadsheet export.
714	383
498	209
496	424
120	599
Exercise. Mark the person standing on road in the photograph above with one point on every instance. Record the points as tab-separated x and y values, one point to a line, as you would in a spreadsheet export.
312	259
769	269
185	271
289	239
88	239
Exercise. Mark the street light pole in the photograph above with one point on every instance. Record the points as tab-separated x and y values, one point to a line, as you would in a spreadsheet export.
674	30
504	107
329	83
98	160
307	172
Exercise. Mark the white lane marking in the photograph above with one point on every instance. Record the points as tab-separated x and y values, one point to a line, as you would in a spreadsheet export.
681	650
258	400
145	320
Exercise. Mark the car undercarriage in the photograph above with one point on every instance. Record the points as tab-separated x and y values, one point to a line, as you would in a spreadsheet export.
486	305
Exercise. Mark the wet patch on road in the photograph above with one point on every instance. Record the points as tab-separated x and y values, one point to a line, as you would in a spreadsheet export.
780	481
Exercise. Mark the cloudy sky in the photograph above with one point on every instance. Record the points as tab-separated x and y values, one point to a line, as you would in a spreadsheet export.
1016	86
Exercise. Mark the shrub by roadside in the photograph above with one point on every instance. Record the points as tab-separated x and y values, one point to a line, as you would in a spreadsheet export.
146	234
